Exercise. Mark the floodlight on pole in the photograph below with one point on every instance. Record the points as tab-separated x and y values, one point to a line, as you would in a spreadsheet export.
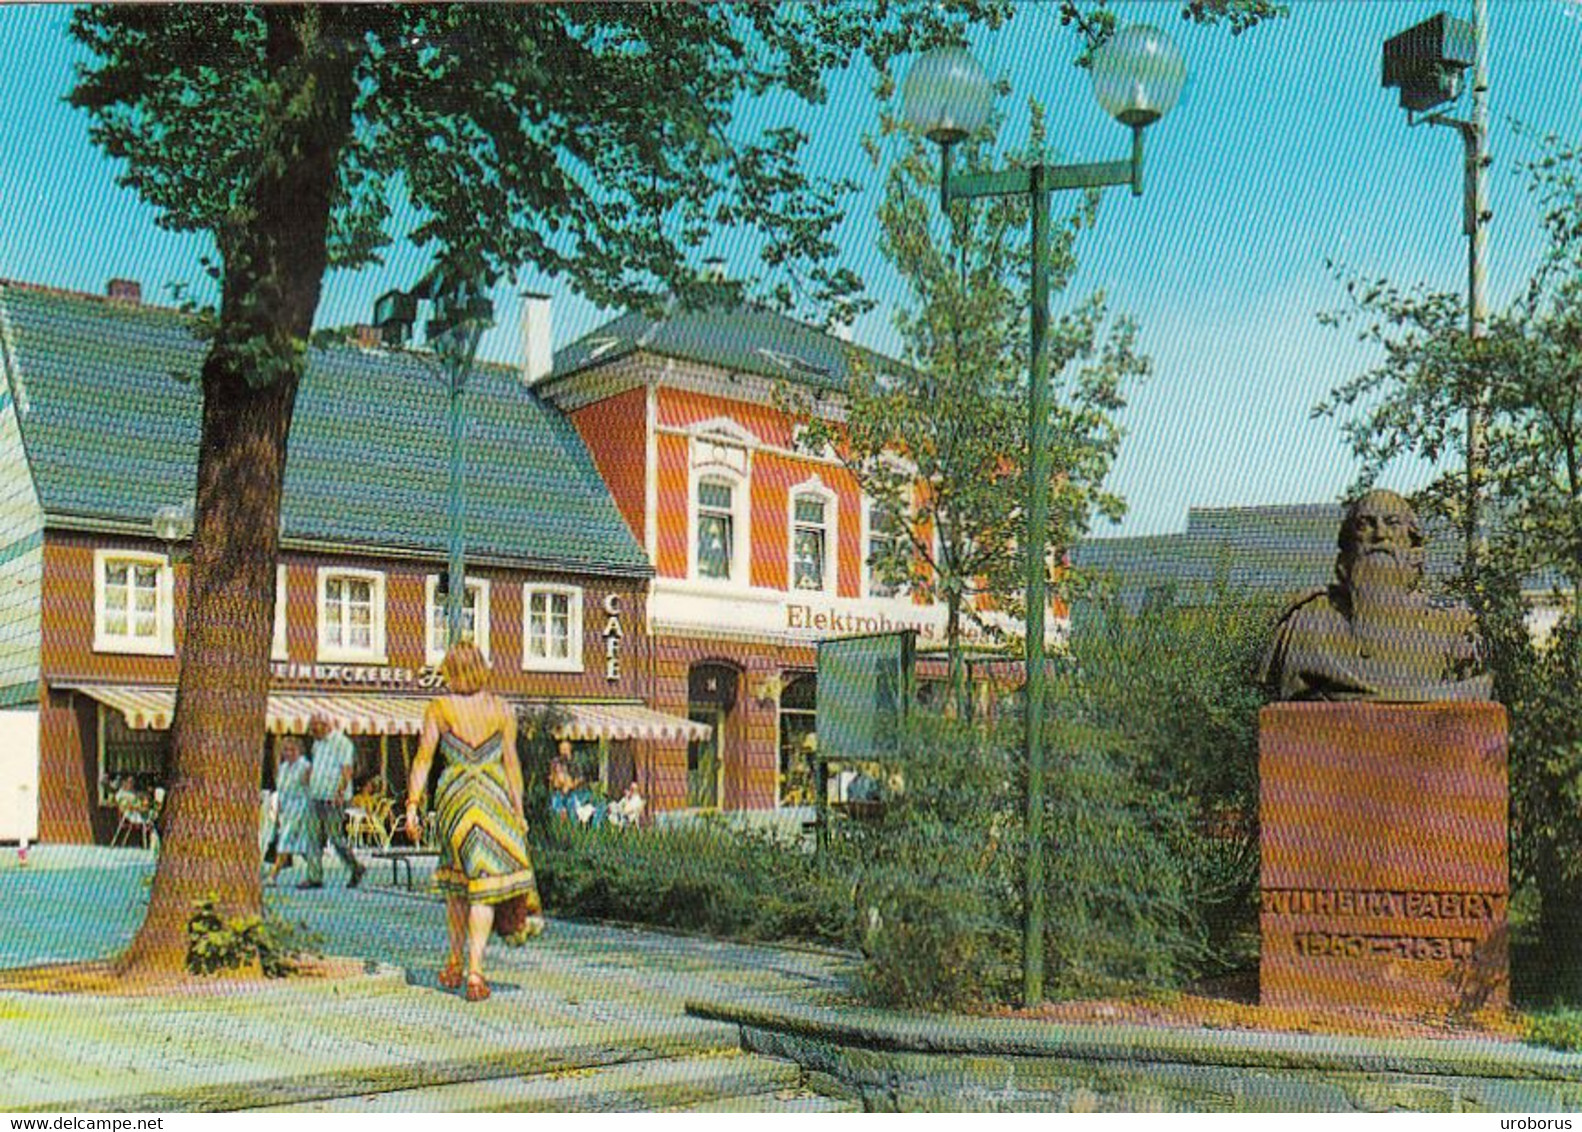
946	96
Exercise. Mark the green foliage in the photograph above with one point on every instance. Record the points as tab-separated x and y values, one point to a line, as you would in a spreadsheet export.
536	748
1174	684
955	413
705	877
215	943
1561	1029
940	877
599	143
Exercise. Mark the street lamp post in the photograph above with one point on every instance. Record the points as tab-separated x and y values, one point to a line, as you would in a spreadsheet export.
1425	63
1137	77
461	311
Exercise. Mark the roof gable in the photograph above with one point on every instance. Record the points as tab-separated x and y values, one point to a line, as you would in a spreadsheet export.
742	339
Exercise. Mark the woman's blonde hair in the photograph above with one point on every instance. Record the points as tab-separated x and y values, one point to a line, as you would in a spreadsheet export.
466	669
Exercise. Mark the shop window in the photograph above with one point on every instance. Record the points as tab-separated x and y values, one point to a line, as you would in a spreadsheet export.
132	603
885	535
352	615
474	616
142	756
798	741
552	628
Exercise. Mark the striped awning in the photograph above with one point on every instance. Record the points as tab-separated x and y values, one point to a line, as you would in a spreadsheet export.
288	713
366	713
627	721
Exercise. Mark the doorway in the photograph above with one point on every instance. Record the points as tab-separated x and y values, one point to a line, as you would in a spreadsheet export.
711	697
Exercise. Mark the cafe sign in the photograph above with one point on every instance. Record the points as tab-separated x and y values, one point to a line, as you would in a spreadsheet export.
614	635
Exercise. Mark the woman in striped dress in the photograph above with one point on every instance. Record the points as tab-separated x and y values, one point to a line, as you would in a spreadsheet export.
484	870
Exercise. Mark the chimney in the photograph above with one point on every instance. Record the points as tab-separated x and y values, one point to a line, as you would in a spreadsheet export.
125	290
713	270
538	359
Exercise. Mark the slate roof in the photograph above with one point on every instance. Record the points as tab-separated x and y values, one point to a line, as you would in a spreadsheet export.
112	435
1274	552
744	339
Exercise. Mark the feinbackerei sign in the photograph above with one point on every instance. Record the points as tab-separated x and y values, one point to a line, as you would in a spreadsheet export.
360	675
614	635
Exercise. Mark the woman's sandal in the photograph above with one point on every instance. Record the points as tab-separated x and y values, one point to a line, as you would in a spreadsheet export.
451	976
477	988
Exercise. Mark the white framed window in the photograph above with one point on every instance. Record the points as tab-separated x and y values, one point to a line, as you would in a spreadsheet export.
351	615
474	616
814	511
719	505
277	647
133	603
884	532
551	628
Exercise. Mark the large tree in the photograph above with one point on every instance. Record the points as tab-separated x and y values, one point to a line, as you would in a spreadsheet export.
599	143
1528	371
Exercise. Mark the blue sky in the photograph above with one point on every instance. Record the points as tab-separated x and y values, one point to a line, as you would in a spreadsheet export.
1284	151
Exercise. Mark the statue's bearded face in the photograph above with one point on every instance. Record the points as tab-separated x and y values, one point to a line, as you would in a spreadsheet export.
1382	546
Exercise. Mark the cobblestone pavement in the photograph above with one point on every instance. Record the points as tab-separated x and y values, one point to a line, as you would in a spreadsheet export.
597	993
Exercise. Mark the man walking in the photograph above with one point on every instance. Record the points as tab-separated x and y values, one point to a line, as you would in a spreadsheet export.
329	785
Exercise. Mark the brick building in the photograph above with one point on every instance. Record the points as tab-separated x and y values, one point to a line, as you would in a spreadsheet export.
759	547
99	417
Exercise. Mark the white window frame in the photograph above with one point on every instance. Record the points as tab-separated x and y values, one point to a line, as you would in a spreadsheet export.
433	649
903	590
277	646
741	511
163	643
375	653
815	488
573	661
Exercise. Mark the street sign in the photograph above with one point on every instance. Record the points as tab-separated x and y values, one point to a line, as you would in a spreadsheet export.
864	695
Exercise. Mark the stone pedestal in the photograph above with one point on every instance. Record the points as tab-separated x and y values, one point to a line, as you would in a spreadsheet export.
1385	878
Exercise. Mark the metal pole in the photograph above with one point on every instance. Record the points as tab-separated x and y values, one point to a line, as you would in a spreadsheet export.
1037	523
456	566
1476	225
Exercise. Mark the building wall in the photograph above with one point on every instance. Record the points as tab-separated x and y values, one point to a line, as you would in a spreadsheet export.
68	786
21	562
616	433
68	655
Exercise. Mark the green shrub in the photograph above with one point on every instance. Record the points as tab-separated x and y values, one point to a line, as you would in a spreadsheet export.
1174	684
216	944
1560	1030
704	877
940	877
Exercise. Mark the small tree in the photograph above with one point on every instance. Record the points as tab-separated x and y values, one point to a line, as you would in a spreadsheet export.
1528	373
939	443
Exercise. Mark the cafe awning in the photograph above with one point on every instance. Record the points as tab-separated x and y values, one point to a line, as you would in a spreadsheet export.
288	713
627	721
368	713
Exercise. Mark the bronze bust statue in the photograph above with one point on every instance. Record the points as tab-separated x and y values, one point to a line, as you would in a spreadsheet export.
1376	634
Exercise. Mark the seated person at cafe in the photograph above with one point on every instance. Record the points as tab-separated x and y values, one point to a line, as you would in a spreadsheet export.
569	796
628	809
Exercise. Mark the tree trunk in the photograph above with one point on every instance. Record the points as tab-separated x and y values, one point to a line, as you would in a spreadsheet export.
274	266
959	703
